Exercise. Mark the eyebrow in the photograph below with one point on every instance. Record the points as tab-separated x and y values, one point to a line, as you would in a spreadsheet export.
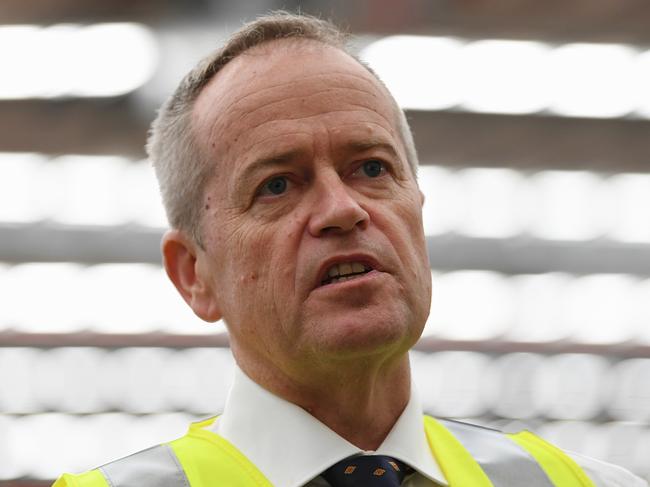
371	143
260	164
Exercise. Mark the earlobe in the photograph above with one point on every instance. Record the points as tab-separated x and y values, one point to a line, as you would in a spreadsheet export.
181	259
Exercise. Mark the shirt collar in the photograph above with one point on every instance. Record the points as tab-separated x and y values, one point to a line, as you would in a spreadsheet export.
291	447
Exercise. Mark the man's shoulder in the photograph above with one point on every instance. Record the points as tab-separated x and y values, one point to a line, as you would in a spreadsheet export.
92	478
602	474
153	461
606	474
199	452
157	463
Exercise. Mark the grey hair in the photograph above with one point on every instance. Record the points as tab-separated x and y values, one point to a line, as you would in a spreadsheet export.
172	148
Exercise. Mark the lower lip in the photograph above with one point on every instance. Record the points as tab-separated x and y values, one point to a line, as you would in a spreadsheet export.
357	281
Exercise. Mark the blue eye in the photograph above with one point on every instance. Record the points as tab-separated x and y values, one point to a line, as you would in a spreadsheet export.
373	168
277	185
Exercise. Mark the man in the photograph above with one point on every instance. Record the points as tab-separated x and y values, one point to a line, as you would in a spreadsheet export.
289	177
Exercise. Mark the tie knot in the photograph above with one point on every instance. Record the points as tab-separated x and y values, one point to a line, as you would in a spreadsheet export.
366	470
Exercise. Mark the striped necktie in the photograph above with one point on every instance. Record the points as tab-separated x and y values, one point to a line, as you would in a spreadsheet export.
367	471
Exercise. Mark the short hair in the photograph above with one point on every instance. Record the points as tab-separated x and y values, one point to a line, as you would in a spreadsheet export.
172	147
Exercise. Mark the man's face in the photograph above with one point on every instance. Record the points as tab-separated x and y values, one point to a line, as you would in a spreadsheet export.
311	182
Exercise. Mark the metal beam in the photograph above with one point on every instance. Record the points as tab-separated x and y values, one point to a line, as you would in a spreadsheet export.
531	141
221	340
113	340
50	242
59	11
579	20
113	126
527	255
119	126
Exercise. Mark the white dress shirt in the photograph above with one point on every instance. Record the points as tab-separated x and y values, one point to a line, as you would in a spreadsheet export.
291	447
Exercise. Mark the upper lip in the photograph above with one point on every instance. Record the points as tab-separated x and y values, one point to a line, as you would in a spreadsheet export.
365	259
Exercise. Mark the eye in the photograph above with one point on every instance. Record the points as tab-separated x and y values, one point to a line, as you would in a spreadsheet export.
373	168
274	186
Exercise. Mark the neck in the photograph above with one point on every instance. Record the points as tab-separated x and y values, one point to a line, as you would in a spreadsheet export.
361	403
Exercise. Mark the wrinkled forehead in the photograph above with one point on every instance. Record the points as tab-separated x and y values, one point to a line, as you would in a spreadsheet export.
273	80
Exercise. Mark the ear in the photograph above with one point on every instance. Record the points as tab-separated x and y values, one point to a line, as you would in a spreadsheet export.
421	198
182	259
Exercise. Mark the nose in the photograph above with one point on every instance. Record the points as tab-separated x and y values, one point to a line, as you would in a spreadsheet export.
335	209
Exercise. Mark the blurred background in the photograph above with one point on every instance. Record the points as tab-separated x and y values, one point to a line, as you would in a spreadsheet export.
532	121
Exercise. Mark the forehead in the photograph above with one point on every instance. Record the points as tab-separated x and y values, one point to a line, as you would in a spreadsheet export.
287	86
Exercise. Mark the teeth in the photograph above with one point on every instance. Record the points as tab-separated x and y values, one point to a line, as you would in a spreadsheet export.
345	269
344	278
340	272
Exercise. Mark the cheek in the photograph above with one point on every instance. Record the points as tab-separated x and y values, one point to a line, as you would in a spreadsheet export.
403	227
408	213
237	254
258	260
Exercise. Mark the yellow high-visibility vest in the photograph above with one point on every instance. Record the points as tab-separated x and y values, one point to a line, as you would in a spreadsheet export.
469	456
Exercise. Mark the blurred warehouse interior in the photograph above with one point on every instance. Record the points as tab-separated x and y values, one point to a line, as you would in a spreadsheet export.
532	121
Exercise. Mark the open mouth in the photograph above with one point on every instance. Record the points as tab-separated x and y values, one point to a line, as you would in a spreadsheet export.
344	272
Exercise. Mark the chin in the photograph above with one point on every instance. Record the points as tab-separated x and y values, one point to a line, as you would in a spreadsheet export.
354	337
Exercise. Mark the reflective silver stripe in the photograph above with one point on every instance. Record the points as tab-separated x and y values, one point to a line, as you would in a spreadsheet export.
503	461
154	467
